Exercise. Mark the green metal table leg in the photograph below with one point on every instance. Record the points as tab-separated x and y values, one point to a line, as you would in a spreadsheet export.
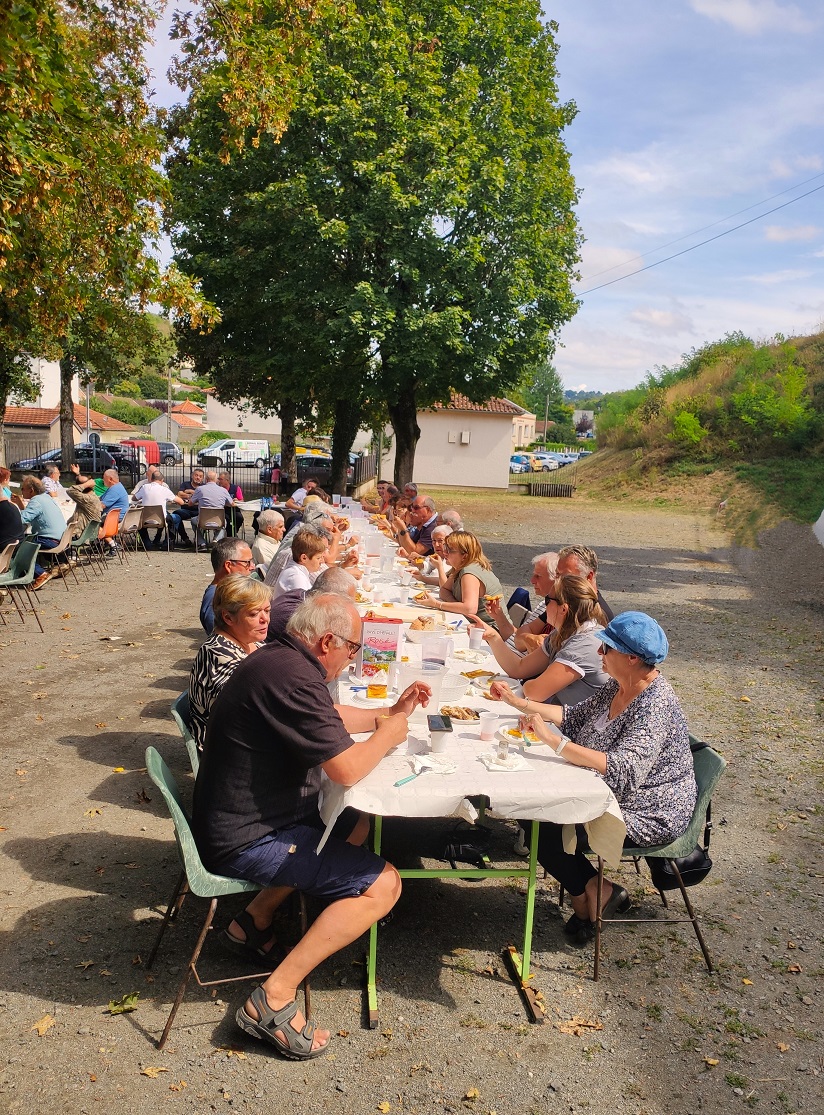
372	955
520	965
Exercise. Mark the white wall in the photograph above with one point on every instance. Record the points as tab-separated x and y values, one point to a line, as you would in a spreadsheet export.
47	372
233	420
441	458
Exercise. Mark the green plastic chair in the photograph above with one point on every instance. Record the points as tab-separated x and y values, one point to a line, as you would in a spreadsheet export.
194	879
709	766
180	714
85	544
20	575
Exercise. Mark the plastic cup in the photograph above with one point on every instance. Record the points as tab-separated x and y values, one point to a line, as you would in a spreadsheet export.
403	594
366	584
379	594
435	649
488	722
406	577
502	750
437	742
476	638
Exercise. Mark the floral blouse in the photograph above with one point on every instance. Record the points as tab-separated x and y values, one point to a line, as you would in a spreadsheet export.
214	665
649	762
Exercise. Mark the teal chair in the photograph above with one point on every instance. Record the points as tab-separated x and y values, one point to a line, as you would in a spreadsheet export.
194	879
85	544
709	766
20	575
180	715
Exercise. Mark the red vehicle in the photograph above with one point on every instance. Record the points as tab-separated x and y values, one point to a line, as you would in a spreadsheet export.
151	449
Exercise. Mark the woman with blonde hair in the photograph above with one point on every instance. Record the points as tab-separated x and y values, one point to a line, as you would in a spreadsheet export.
467	581
241	606
566	668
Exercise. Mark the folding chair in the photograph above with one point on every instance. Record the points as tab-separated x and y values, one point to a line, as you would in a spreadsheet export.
155	517
20	575
62	547
709	766
180	714
85	544
209	519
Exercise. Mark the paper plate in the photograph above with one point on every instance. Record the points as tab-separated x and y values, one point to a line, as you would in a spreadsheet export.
481	686
476	656
503	734
370	702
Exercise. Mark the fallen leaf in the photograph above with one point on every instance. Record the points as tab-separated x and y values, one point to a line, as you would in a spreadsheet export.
782	1046
44	1025
92	1077
472	1094
83	940
795	968
792	945
711	1061
579	1026
84	964
125	1004
747	982
747	700
66	615
102	724
39	696
115	770
181	1084
143	797
104	972
152	1072
343	1033
384	1107
137	959
93	813
21	772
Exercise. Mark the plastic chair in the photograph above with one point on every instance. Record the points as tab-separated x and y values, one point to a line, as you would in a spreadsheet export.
194	879
20	575
5	556
709	766
61	548
108	532
85	544
128	530
180	714
155	517
210	519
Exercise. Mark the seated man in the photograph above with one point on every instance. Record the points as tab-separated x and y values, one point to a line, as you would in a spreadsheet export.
452	518
40	513
51	482
157	493
234	515
417	538
11	523
269	537
331	580
581	561
210	495
295	500
532	632
88	507
187	511
439	537
229	555
309	552
272	731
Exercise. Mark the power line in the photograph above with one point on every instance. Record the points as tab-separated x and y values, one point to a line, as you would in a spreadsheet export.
701	243
704	228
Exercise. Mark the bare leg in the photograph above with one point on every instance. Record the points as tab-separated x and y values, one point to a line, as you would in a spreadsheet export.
590	897
337	926
360	832
261	910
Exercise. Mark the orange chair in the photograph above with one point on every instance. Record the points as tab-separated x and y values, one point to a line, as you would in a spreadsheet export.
108	532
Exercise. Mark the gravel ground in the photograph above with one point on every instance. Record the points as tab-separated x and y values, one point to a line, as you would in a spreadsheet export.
90	861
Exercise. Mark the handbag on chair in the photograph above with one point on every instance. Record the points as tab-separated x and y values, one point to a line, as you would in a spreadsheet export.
693	868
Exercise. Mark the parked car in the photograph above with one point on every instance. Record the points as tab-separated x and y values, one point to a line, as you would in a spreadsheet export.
585	453
548	463
127	458
563	459
170	454
88	460
523	462
311	464
235	451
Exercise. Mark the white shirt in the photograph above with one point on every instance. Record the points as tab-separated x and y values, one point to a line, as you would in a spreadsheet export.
299	496
264	549
294	576
155	494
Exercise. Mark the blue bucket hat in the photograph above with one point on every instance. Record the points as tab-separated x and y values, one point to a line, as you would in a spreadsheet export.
636	633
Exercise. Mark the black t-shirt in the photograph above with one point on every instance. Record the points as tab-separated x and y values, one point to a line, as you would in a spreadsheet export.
270	729
11	524
282	611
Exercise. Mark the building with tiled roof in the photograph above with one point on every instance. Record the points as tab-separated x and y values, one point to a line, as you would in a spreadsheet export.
190	408
491	406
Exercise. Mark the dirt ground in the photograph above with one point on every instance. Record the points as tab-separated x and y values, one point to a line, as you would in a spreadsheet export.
90	861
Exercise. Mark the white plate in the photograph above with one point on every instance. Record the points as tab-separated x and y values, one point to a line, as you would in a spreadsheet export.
479	657
481	686
370	702
516	741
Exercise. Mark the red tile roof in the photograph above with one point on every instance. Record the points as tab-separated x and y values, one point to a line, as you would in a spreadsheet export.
185	422
187	407
41	417
99	422
491	406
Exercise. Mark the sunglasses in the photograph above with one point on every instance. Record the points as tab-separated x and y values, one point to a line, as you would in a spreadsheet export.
604	649
352	646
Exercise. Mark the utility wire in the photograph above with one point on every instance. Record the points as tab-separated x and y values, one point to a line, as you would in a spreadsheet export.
701	243
704	228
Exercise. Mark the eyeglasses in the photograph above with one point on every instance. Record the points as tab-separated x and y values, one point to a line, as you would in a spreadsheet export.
604	649
248	562
350	643
451	550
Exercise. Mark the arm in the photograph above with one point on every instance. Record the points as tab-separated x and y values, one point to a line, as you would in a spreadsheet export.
554	678
529	636
573	752
356	761
502	621
470	593
357	720
530	666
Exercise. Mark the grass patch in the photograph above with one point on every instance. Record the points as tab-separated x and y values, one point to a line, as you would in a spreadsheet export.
796	485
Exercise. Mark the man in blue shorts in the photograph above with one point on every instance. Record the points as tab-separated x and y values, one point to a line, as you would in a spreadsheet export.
272	731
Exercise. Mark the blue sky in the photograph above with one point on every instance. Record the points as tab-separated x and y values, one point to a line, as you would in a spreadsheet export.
690	110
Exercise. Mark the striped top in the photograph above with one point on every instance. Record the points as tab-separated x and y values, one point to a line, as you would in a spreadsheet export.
214	665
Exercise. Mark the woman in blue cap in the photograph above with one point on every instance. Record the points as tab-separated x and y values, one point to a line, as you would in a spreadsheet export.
634	734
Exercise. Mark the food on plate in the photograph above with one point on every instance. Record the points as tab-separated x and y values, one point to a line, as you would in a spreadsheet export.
376	692
361	599
423	623
460	712
473	674
386	605
528	734
471	655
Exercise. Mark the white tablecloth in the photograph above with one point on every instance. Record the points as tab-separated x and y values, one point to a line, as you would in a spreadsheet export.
549	790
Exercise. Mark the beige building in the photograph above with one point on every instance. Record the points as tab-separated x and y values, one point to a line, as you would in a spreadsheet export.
462	444
523	427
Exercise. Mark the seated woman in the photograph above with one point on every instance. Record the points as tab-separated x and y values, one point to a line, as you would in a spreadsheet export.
438	562
469	580
241	606
634	734
567	667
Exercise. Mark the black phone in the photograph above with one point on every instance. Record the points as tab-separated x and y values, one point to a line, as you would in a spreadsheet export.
439	723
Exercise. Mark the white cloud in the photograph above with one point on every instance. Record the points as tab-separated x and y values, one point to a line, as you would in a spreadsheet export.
754	16
665	323
770	278
781	234
789	168
819	254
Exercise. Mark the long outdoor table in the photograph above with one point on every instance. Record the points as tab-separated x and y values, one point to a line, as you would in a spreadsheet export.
549	789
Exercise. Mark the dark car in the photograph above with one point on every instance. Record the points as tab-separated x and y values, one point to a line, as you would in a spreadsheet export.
126	458
170	454
312	464
87	458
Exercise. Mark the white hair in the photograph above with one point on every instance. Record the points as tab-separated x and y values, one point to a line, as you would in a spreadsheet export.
268	519
211	476
550	558
443	530
317	615
451	518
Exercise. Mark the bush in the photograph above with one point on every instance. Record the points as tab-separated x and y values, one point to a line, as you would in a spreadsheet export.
687	431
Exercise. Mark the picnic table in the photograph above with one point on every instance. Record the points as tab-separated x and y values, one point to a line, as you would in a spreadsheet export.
545	788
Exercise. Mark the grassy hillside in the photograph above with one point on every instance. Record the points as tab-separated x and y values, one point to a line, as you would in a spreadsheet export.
736	421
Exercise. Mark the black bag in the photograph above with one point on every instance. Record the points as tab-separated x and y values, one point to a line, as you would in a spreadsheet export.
466	845
693	868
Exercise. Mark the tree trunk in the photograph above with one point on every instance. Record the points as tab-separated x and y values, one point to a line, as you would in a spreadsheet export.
403	412
348	414
288	464
67	373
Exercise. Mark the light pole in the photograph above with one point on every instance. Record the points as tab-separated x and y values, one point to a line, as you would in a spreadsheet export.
546	419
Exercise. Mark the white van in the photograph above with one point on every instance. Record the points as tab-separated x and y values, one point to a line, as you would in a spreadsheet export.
237	451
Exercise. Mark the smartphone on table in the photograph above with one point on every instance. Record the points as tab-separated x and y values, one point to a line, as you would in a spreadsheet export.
438	723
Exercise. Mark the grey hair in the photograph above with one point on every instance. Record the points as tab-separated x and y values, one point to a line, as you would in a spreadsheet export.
33	482
335	580
227	549
551	559
428	502
211	476
269	519
112	472
158	477
585	558
442	530
317	615
451	518
51	468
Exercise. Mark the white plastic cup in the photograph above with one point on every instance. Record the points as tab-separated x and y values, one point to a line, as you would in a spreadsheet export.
406	577
403	594
335	501
488	722
366	584
379	594
437	742
476	638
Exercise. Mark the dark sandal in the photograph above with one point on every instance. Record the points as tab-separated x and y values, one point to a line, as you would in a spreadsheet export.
297	1045
252	948
618	903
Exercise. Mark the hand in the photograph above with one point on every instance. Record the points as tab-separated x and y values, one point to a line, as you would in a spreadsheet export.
534	723
430	601
418	693
495	609
350	559
75	469
489	632
394	727
500	691
532	642
438	562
